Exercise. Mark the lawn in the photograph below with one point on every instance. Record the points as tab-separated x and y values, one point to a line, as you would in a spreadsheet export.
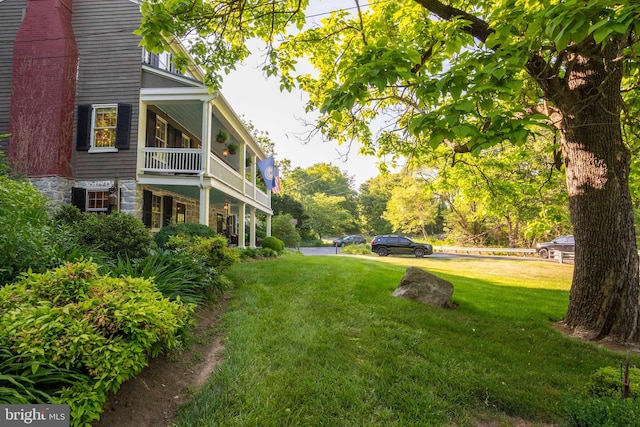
320	341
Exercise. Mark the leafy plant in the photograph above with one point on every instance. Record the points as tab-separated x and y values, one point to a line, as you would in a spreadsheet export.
603	412
273	243
26	241
213	251
185	229
176	275
222	136
104	326
607	382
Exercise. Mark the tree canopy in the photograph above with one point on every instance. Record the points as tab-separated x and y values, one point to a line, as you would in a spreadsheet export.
468	76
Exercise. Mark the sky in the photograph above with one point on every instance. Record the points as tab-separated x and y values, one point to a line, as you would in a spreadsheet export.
281	114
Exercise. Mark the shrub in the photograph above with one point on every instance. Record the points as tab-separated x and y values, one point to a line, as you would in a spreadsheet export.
189	230
282	227
603	412
256	253
607	382
273	243
104	326
356	249
117	234
213	251
176	274
26	240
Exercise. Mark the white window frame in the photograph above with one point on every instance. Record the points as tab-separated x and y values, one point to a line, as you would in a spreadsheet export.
161	132
89	198
156	212
185	141
94	113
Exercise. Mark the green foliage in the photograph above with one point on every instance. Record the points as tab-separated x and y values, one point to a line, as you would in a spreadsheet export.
25	381
177	275
608	382
603	412
74	318
356	249
273	243
26	240
116	234
256	253
327	216
282	227
186	229
213	251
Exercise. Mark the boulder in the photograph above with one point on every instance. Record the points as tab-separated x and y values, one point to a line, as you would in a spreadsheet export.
424	287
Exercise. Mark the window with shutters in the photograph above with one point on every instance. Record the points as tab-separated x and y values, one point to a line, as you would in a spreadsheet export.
97	201
103	134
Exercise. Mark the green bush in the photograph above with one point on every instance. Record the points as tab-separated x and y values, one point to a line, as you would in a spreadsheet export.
26	240
189	230
176	274
607	382
256	253
603	412
116	234
273	243
364	249
103	326
213	251
282	227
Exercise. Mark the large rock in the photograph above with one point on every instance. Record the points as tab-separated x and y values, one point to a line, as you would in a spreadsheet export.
424	287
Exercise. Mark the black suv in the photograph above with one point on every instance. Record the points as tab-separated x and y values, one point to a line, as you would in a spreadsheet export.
392	244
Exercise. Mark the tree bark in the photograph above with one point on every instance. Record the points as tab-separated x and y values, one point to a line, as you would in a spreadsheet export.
604	293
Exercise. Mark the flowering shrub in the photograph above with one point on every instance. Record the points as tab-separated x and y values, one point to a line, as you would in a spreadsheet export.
103	326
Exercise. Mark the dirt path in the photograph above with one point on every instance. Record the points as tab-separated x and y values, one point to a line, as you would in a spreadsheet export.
152	398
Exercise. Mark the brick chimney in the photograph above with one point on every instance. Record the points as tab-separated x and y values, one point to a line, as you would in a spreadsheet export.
43	89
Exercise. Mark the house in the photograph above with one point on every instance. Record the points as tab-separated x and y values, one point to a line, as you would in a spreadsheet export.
90	114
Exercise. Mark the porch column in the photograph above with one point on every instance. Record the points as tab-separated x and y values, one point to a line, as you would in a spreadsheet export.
206	138
205	193
242	211
269	225
252	227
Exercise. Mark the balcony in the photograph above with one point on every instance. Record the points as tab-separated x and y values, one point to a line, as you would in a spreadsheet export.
188	161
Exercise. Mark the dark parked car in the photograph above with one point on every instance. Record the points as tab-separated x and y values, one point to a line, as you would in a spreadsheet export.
349	240
391	244
562	243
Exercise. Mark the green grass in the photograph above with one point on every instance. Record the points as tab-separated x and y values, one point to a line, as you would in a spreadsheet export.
320	341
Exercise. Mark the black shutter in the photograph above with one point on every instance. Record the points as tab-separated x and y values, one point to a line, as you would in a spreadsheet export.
123	126
147	198
178	143
171	136
151	129
83	137
167	210
79	198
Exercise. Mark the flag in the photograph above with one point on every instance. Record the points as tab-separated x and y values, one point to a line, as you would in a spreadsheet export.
267	169
276	181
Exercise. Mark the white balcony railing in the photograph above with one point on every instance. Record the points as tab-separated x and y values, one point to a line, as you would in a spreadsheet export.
189	161
172	160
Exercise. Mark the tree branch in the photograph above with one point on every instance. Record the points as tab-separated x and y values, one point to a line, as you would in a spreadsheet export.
477	28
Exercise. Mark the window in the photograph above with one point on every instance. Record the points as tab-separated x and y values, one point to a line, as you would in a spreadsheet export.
181	210
97	201
186	141
161	132
103	127
105	120
156	211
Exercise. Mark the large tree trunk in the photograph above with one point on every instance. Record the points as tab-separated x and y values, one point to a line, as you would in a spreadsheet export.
604	294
